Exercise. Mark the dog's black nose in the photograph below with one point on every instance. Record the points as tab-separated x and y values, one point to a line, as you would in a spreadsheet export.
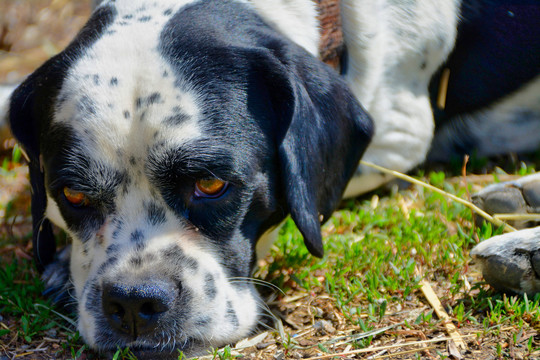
135	309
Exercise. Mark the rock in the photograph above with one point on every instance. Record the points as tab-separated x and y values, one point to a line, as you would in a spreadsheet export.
511	262
325	327
521	196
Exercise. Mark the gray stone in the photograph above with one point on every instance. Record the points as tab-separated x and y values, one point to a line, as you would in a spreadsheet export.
531	193
521	196
511	262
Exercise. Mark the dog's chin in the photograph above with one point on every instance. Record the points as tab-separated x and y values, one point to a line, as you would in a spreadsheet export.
188	348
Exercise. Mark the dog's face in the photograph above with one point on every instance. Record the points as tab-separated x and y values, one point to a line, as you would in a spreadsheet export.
166	140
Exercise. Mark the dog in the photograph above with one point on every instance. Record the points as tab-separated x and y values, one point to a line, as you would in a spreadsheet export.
171	138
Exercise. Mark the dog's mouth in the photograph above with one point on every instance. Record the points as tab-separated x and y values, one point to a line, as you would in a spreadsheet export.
170	350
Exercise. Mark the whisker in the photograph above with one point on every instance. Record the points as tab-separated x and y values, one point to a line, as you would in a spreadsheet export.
37	237
257	282
266	326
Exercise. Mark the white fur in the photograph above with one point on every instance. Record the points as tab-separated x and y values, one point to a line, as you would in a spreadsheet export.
53	213
295	19
387	44
266	240
5	93
139	74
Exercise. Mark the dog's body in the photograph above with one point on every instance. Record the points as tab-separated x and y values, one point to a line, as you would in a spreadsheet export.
154	97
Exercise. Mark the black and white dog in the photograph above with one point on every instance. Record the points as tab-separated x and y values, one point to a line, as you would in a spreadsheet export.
172	137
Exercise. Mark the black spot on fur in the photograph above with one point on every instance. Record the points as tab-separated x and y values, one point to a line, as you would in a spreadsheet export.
144	19
176	119
210	289
155	214
143	116
86	106
136	236
118	230
111	261
127	115
136	261
175	255
167	12
203	322
140	246
132	160
113	81
112	249
154	98
127	17
165	74
231	315
138	102
90	135
96	80
62	98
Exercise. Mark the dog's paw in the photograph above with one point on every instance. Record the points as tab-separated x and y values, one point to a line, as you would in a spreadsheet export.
57	281
511	262
521	196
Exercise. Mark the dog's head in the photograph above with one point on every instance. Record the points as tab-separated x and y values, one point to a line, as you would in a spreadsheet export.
165	140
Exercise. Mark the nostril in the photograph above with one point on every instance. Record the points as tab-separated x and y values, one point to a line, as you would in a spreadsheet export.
150	308
147	309
116	311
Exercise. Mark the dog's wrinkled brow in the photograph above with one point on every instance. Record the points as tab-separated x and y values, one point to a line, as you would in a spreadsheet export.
93	177
196	160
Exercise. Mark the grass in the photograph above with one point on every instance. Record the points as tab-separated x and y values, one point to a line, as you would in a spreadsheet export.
362	299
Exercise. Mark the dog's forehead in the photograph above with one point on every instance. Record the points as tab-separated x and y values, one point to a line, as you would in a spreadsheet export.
122	92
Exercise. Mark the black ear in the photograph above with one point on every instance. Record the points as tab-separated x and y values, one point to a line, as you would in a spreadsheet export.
322	134
26	125
30	112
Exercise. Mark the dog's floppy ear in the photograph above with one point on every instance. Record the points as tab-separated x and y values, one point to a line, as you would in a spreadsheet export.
24	118
30	112
322	133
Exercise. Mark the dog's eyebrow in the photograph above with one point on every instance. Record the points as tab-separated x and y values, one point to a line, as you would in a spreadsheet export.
196	159
90	176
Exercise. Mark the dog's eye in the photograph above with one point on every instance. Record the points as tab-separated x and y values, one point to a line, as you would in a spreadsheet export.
75	198
210	188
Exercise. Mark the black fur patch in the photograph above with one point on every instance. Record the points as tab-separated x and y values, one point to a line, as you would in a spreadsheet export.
155	214
136	236
179	260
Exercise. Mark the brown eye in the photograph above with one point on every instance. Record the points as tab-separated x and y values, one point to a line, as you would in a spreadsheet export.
210	188
75	198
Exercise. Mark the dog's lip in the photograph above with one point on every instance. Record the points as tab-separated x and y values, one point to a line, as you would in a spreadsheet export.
160	352
147	351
